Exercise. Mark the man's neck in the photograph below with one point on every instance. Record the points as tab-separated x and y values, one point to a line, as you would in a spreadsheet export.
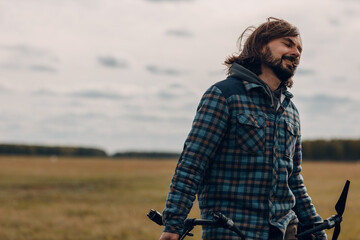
268	76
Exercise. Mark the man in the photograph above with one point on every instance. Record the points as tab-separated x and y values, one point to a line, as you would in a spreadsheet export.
243	154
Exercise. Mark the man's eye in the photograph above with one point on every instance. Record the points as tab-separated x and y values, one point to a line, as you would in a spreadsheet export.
287	44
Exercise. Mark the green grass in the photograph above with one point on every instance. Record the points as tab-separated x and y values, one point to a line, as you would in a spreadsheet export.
106	199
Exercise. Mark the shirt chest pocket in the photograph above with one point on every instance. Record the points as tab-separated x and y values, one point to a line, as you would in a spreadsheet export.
288	133
250	133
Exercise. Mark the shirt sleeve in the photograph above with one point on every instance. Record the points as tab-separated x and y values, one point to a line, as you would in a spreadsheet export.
208	128
304	208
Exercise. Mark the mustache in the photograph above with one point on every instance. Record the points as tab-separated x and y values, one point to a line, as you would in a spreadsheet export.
294	60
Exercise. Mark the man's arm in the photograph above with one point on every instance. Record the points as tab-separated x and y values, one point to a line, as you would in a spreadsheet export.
169	236
208	129
304	207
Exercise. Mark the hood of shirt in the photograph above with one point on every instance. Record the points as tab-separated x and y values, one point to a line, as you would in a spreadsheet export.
245	74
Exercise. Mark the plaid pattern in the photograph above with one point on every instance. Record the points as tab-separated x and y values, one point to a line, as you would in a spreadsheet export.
241	158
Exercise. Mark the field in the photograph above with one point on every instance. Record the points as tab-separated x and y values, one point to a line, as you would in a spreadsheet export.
64	198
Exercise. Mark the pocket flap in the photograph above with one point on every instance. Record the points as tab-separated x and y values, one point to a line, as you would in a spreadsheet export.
257	121
292	127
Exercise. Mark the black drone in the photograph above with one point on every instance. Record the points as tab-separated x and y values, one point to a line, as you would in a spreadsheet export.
306	231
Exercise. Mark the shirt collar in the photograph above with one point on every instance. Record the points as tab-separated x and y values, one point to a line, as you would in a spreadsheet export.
251	85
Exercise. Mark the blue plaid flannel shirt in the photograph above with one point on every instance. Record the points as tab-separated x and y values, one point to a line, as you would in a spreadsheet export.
242	158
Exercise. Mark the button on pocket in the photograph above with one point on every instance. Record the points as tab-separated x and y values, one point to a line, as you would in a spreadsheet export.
251	133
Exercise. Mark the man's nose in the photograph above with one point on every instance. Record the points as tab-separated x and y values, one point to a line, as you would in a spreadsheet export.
296	53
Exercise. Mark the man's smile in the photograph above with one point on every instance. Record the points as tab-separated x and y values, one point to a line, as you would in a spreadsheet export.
291	62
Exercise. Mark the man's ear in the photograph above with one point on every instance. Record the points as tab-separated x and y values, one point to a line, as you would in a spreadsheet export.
262	50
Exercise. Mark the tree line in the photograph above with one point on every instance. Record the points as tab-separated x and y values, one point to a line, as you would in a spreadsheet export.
337	150
33	150
157	155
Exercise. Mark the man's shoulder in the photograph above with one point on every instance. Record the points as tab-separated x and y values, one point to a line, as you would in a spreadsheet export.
231	86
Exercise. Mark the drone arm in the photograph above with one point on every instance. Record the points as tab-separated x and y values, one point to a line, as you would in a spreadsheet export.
318	228
327	224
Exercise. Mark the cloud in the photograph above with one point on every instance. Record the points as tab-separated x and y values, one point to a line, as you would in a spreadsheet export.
164	71
4	90
112	62
42	68
44	92
350	12
26	50
328	116
95	94
339	79
334	22
326	104
322	98
218	73
144	117
179	33
72	118
302	71
25	57
156	119
174	91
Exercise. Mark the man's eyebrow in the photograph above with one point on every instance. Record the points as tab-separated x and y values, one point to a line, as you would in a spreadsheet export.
293	43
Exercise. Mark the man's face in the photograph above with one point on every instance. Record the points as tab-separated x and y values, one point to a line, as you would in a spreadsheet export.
282	55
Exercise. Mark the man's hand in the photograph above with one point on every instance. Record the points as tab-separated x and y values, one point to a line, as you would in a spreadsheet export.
169	236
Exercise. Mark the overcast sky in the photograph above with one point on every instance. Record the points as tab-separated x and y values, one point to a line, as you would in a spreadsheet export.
128	74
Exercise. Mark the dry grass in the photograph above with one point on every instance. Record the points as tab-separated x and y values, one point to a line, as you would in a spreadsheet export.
42	198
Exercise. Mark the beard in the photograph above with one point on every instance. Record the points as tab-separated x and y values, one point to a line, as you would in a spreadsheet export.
284	73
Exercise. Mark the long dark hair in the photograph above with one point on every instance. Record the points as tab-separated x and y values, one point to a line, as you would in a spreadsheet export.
256	38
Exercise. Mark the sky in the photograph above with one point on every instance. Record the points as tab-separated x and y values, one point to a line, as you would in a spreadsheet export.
124	75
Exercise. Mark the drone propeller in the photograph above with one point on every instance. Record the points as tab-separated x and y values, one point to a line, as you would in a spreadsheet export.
340	207
336	232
